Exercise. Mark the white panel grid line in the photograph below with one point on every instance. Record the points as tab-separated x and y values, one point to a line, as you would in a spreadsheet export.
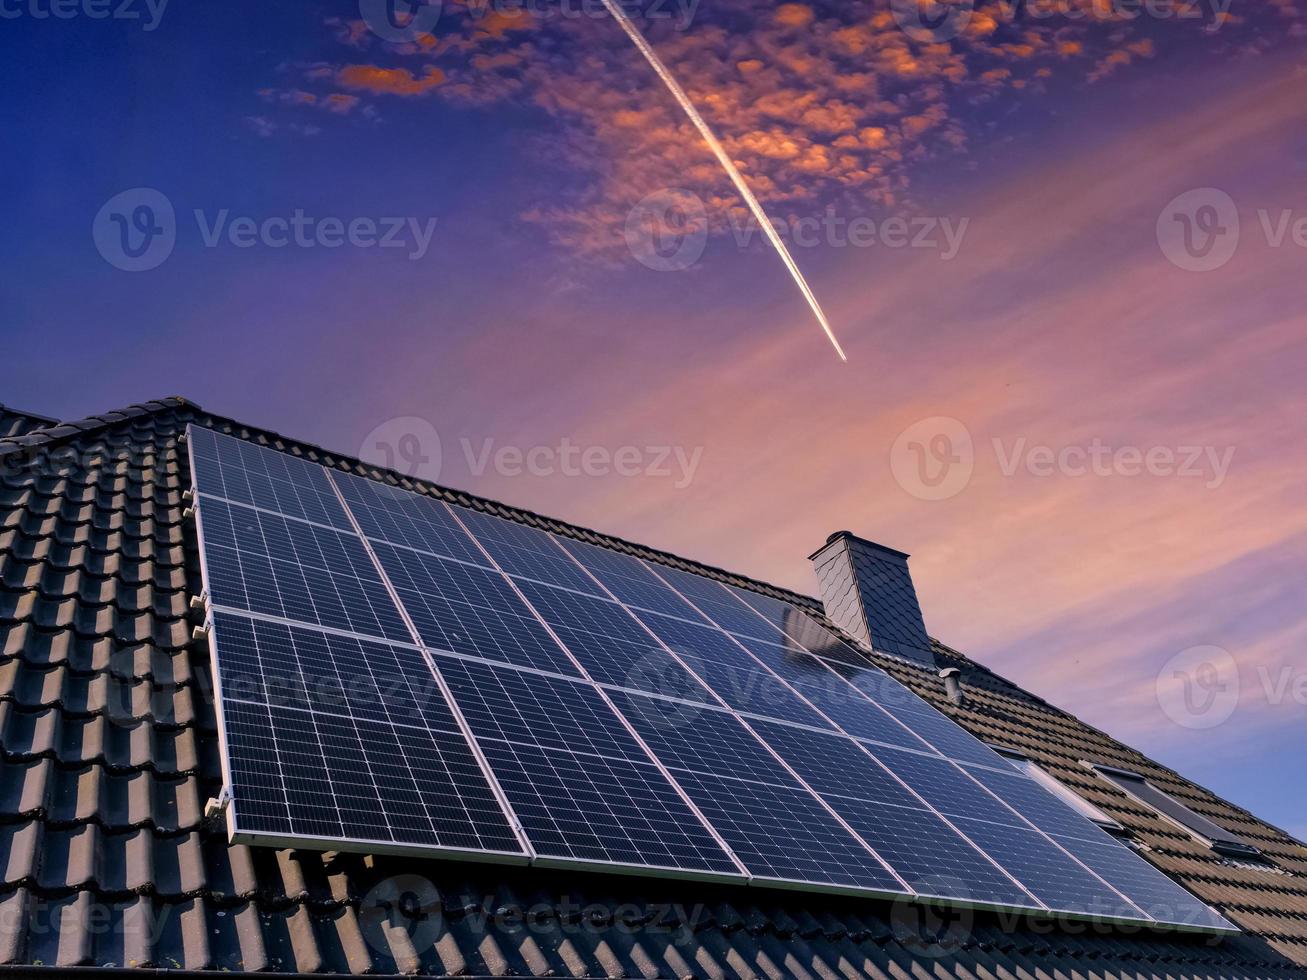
685	797
785	765
500	796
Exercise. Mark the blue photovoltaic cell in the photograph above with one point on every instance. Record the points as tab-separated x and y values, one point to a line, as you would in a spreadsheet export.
469	610
716	602
832	695
244	473
800	627
612	646
630	580
944	735
580	783
785	834
930	856
386	513
590	808
924	721
730	671
1052	876
720	605
834	765
336	737
1143	884
1038	805
945	786
774	825
517	706
265	563
707	740
890	819
527	551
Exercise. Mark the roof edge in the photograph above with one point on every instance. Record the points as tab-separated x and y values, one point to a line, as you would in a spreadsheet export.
67	431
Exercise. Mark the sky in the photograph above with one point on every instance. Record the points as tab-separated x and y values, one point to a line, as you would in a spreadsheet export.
1063	244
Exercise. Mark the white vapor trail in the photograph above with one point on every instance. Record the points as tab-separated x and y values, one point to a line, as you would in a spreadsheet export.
727	164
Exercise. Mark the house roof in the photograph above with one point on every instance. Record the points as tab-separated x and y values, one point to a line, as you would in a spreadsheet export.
109	748
14	422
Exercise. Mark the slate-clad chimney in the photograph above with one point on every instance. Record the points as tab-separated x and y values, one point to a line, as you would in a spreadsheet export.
867	589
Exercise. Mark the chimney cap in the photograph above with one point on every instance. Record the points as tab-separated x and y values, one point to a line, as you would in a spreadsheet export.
838	535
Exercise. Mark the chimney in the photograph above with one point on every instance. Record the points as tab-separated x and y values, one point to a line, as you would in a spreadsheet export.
867	589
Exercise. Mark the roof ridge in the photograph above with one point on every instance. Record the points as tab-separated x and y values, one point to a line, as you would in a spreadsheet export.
63	431
49	420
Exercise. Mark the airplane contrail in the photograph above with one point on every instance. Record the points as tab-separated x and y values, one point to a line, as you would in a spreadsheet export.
727	164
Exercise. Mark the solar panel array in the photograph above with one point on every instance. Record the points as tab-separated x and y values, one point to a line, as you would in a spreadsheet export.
397	673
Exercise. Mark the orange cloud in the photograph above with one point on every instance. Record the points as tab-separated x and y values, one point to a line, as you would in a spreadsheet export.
389	81
794	15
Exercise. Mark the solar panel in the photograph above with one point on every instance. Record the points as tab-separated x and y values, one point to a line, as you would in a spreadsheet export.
265	563
527	551
340	740
630	580
611	644
776	826
465	609
243	473
397	673
395	516
581	784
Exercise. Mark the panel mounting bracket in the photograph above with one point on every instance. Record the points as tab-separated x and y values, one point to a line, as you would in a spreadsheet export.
217	805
